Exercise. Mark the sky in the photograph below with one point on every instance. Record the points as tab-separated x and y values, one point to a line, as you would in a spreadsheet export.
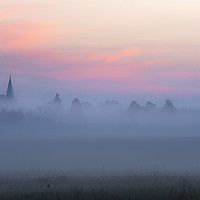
95	49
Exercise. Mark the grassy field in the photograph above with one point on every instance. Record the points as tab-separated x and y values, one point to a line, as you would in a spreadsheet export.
136	187
91	169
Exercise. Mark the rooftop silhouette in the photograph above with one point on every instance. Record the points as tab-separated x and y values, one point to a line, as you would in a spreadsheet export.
10	92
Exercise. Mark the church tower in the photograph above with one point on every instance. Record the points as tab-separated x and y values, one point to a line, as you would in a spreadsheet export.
10	92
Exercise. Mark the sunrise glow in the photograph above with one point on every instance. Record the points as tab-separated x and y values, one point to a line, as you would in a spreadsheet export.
146	46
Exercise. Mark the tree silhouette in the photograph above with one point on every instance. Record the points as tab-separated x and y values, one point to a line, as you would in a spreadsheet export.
57	99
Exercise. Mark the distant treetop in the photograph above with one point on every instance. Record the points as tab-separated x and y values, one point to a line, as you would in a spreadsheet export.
57	99
169	106
134	106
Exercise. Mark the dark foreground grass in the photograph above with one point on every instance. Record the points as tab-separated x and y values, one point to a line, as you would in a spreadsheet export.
134	187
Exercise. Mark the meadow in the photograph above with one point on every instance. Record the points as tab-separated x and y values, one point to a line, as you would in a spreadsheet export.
131	187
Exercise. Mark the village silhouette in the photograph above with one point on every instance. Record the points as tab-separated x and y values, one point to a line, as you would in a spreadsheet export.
78	107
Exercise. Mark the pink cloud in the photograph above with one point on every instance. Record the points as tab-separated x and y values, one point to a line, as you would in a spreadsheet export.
84	58
63	66
103	74
24	34
89	72
113	57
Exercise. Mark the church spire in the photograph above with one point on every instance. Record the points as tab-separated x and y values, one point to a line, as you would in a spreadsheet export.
10	93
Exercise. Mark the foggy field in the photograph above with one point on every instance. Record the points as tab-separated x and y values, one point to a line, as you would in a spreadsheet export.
135	186
150	155
91	156
168	142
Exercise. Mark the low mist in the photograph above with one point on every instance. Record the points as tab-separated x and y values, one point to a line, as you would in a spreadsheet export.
108	138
